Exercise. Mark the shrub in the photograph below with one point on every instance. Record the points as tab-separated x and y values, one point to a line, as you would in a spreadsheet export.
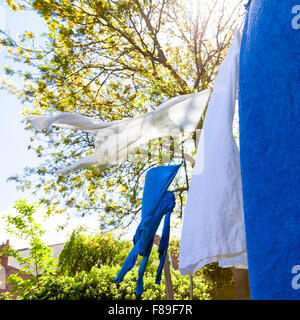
99	284
88	265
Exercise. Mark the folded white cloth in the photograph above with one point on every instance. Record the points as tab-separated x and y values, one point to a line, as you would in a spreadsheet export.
213	227
116	139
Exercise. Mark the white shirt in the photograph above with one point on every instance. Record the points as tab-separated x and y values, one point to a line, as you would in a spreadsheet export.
213	225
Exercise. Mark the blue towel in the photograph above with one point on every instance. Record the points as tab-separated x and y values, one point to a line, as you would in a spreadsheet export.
269	112
157	203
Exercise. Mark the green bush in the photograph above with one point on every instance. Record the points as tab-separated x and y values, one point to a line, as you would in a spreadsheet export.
99	284
88	265
87	268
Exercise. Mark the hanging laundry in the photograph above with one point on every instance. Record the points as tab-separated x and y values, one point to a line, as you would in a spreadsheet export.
157	203
213	226
114	140
269	113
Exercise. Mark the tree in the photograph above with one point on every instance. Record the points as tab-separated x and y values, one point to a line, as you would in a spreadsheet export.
82	252
111	59
39	263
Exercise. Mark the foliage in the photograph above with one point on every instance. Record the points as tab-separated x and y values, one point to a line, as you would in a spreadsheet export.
99	284
39	262
114	254
217	275
87	268
110	59
81	252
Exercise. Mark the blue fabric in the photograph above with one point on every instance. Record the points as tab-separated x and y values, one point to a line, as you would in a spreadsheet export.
156	184
157	202
142	269
269	113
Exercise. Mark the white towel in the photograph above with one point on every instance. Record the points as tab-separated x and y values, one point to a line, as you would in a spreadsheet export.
213	226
